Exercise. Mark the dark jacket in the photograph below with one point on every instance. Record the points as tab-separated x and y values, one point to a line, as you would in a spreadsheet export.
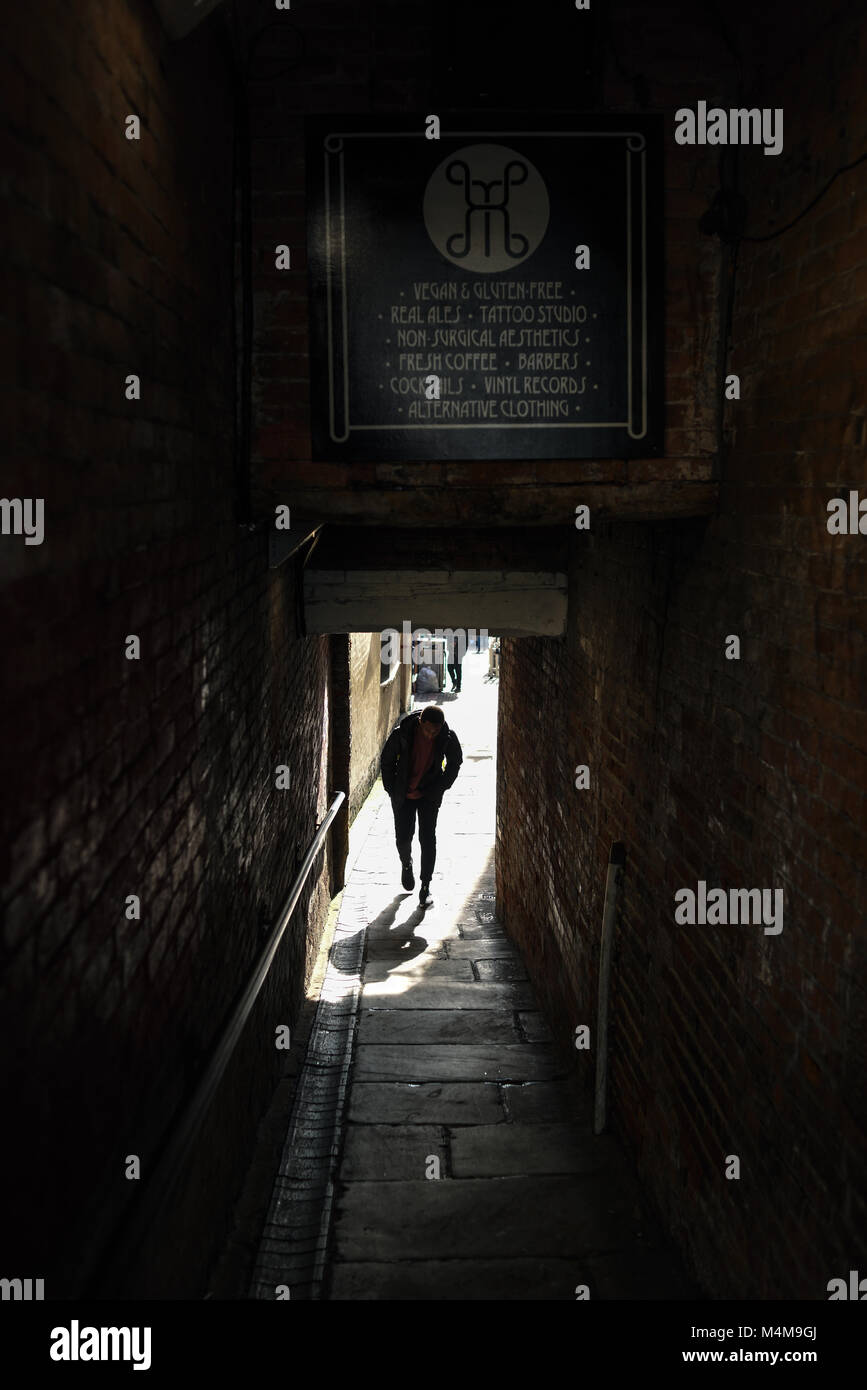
455	649
396	761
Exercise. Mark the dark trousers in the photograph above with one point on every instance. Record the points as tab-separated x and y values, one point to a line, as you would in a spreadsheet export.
404	829
455	673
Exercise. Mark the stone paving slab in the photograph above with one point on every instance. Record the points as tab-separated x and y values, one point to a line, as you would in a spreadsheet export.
457	1279
563	1217
480	932
450	883
392	953
389	1152
639	1274
397	993
430	932
534	1027
545	1102
514	1150
460	923
491	949
652	1275
500	969
452	1103
425	967
397	1026
456	1062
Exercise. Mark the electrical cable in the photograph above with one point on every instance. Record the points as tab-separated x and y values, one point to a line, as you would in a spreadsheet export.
844	168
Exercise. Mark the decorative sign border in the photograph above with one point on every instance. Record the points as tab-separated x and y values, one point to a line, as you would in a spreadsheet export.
637	365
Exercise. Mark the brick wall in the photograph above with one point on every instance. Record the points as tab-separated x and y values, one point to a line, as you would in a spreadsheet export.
151	777
374	709
746	773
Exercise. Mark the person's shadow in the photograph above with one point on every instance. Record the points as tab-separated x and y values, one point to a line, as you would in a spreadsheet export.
385	942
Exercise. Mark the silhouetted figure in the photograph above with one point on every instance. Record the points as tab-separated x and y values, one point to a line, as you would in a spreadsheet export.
420	761
455	652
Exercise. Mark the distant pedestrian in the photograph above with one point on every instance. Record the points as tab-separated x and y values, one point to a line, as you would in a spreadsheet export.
456	649
420	761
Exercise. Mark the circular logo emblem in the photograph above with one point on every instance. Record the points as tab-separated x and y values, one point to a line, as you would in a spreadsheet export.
486	208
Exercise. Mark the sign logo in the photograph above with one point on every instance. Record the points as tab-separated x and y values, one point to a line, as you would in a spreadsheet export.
486	208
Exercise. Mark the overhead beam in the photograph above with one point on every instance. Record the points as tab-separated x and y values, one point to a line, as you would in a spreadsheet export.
436	497
508	603
399	548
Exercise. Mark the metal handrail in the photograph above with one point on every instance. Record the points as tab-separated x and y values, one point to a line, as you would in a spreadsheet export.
225	1047
168	1165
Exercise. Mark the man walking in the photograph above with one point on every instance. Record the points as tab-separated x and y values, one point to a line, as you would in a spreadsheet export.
420	761
455	648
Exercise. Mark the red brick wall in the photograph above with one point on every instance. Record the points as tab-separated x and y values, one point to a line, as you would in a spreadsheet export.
153	777
746	773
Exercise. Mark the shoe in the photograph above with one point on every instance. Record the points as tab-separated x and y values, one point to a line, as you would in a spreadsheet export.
425	898
407	878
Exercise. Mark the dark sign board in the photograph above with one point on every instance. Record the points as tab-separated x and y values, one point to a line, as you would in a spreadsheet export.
493	293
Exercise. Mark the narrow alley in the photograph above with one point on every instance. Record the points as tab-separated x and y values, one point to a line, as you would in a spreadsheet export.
468	1165
445	419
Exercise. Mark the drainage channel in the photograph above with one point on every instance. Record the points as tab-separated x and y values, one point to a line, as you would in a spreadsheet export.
291	1257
